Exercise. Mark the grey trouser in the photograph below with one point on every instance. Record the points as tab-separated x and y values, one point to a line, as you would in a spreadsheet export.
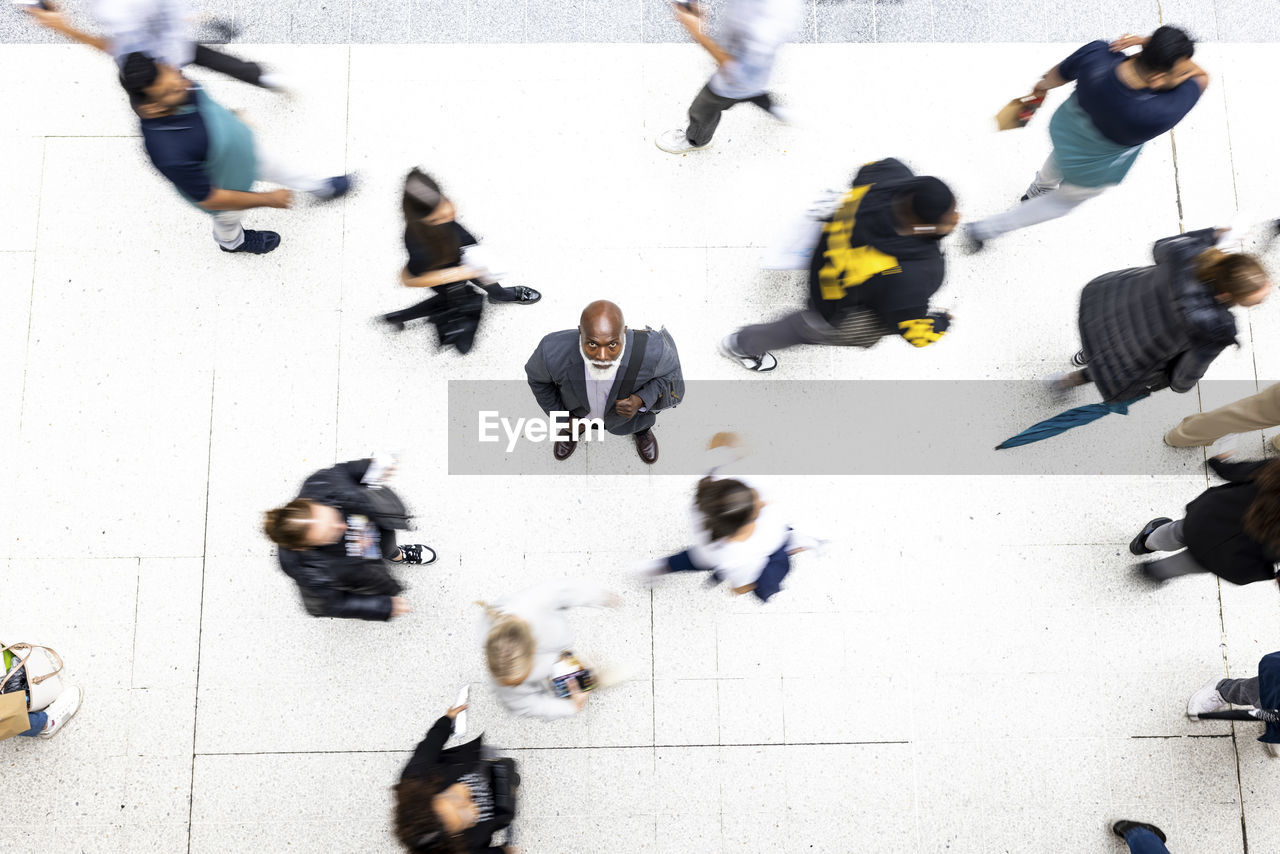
1241	692
1167	538
799	327
704	113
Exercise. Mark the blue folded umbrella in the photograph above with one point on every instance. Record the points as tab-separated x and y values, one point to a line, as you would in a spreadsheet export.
1064	421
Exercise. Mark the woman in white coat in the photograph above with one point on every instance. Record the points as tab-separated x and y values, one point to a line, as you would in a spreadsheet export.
526	634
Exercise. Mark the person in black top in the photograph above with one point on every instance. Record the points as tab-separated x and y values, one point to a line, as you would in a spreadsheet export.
337	537
453	801
1231	530
442	257
873	271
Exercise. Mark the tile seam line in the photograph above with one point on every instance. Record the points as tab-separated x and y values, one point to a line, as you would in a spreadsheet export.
408	751
31	295
204	563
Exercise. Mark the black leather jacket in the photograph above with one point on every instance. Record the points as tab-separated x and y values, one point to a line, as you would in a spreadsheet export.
333	583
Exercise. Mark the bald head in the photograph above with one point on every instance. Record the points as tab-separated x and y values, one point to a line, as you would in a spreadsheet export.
602	332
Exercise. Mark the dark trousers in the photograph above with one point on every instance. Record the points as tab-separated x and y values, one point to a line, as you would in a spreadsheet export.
769	582
1241	692
225	63
704	113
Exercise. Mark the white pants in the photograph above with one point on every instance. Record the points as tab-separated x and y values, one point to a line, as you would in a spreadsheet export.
1049	199
226	224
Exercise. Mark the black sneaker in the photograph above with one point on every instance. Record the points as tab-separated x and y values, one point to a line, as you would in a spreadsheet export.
256	242
518	294
417	554
1120	828
1078	359
1139	544
1024	197
390	320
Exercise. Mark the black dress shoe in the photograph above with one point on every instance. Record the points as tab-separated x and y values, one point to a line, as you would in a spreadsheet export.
564	450
1120	828
1139	544
647	445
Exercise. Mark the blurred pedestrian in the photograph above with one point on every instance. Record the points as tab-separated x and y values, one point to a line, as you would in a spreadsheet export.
453	801
877	263
1255	412
444	257
212	157
751	34
1141	838
739	537
338	538
1231	530
158	28
1150	328
526	636
1119	104
603	370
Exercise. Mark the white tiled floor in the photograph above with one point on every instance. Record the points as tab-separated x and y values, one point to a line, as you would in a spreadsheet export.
968	669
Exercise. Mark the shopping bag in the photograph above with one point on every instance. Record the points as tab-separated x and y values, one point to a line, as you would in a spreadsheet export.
1018	112
13	715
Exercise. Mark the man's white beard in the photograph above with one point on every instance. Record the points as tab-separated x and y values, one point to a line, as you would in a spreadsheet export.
595	371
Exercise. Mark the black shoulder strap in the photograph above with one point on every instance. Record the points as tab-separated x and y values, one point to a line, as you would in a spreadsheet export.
633	366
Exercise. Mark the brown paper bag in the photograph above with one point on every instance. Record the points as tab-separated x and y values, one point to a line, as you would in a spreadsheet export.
1018	112
13	714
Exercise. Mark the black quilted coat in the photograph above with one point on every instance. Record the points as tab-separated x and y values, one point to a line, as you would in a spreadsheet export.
1155	327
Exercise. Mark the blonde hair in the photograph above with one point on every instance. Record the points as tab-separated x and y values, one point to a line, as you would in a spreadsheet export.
1230	275
509	647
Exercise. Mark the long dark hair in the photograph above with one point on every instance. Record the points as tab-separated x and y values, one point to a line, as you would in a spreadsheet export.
725	504
422	195
417	826
1262	519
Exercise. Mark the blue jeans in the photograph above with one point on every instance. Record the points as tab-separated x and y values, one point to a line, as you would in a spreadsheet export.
37	721
1143	841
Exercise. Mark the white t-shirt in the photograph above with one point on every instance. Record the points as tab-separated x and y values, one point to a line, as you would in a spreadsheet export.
753	32
159	28
738	562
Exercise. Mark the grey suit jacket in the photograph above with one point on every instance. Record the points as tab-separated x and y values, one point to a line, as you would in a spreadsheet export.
557	376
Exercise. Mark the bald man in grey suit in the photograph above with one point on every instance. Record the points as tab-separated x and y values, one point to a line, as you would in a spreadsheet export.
592	372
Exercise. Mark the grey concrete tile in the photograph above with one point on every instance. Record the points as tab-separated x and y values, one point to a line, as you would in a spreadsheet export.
495	21
1247	21
845	21
320	22
439	22
659	25
964	21
261	24
1198	17
374	23
904	20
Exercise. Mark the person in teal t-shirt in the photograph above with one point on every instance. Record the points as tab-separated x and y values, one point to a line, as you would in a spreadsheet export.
1119	104
210	156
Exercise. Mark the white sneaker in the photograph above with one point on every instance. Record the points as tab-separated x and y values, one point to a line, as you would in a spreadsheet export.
650	571
763	363
786	115
62	710
807	543
1207	699
675	142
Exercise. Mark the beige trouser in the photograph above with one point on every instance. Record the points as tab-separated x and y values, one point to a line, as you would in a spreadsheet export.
1251	413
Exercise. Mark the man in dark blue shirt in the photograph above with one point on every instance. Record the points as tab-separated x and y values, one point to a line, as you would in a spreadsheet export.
210	156
1119	104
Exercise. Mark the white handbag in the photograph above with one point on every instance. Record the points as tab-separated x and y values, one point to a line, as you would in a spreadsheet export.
43	668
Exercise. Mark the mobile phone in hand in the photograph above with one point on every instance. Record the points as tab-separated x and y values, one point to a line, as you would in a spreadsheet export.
35	4
460	722
689	6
